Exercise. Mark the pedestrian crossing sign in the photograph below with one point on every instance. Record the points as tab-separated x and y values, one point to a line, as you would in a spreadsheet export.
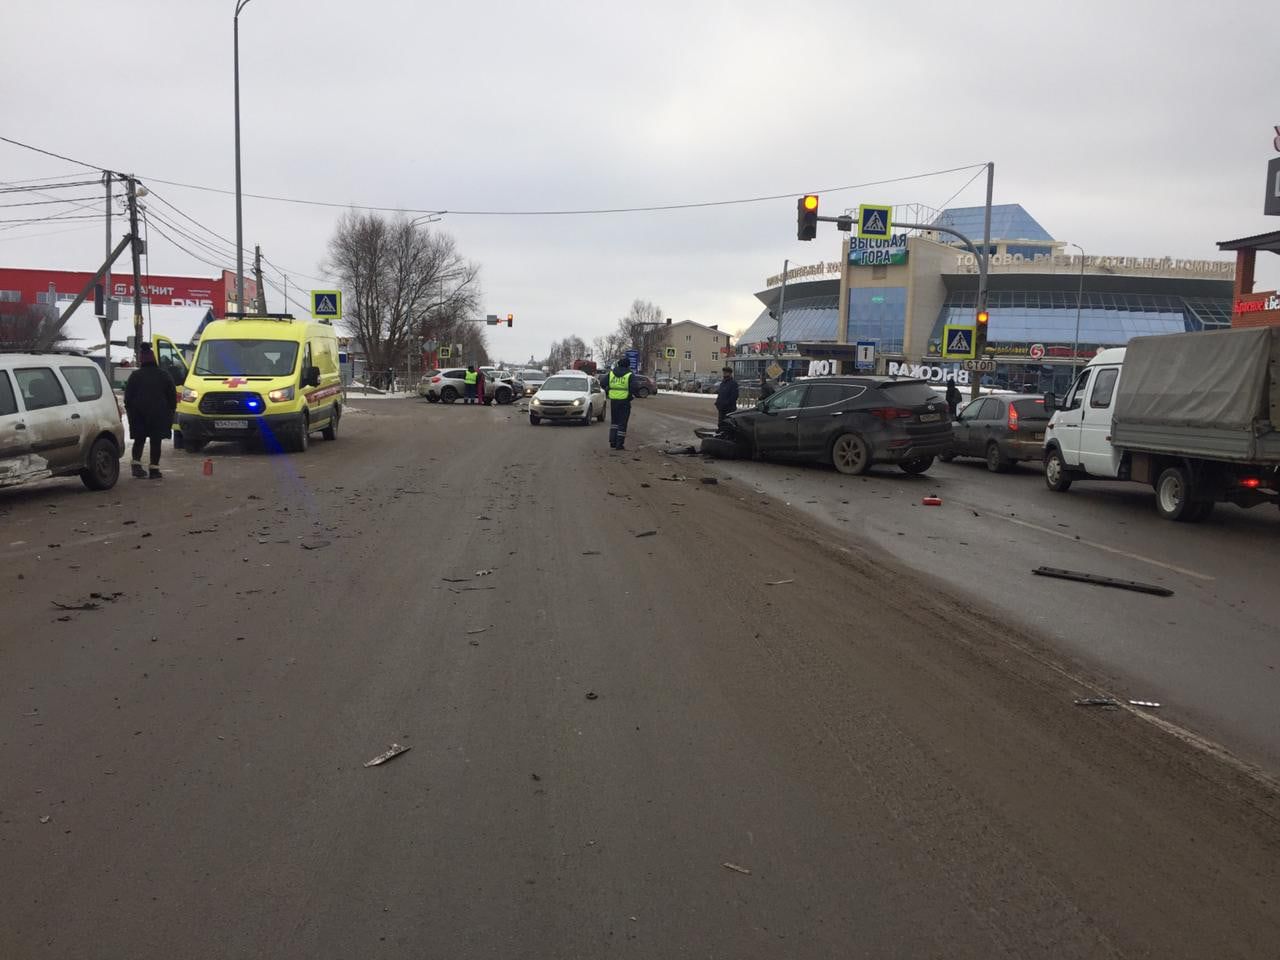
874	222
671	353
445	353
326	304
959	343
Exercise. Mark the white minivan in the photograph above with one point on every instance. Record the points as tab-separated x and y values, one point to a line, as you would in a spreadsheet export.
58	418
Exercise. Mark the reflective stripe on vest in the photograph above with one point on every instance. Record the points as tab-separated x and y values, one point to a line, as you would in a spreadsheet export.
470	378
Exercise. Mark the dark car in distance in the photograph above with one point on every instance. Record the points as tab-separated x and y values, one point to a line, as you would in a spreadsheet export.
1000	430
849	422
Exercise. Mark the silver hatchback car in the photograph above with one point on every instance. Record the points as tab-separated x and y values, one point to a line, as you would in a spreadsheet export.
58	418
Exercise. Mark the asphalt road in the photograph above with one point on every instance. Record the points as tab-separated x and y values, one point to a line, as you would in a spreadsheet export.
747	734
1210	654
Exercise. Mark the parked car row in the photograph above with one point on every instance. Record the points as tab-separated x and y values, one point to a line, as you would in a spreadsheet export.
449	385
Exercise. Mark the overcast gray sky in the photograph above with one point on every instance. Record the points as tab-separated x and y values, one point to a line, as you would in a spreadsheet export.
1130	128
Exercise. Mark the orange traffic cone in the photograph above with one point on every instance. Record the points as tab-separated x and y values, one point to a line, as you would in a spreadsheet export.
208	467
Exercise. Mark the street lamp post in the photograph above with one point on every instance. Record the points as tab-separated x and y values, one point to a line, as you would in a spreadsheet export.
1075	350
240	5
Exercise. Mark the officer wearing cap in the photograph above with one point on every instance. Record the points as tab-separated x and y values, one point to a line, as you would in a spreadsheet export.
620	386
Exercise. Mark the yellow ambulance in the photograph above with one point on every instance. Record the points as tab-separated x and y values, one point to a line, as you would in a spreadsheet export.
267	377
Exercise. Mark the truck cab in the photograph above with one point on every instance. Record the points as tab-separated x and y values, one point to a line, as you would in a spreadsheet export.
1080	428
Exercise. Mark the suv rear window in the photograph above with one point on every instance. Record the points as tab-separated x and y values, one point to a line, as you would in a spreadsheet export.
1030	409
85	382
910	394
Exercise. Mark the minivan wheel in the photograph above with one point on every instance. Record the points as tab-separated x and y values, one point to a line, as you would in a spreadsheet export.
448	394
1173	495
331	431
1056	477
103	466
850	455
301	438
996	463
915	465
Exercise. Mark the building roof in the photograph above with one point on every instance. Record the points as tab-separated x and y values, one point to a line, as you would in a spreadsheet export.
1009	221
1261	241
678	323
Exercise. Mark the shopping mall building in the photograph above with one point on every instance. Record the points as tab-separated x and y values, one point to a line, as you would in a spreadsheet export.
1047	306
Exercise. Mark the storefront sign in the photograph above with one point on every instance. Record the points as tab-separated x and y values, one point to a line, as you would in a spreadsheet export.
1033	352
1224	269
866	253
813	270
1257	310
934	373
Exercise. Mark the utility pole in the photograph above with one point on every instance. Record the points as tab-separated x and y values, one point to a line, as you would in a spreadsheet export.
984	261
782	301
131	191
260	301
105	322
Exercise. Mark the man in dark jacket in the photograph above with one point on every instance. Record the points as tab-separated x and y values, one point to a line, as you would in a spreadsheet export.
766	387
953	396
726	396
149	401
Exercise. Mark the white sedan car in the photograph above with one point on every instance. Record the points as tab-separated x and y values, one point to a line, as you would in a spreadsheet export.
568	395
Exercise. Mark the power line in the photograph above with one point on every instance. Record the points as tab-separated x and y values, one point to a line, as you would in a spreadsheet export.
44	203
50	153
650	208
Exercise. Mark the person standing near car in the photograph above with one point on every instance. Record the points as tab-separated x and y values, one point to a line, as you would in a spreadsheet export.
766	387
620	385
469	379
726	396
480	387
953	396
150	399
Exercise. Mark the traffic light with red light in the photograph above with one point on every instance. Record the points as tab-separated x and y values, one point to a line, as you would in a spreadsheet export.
510	317
807	217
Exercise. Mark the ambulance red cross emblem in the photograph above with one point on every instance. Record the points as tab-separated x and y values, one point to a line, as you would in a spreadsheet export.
235	381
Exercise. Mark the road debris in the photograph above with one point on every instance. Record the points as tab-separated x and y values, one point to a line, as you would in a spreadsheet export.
735	868
77	606
1144	703
463	589
315	545
1103	581
391	752
483	573
45	819
710	480
645	485
1108	702
675	478
474	643
591	553
478	630
777	583
681	452
455	579
592	695
534	776
931	501
648	533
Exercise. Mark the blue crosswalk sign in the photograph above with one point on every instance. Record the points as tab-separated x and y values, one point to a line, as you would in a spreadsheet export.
958	342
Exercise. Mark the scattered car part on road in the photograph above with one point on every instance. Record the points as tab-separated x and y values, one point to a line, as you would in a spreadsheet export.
1103	581
931	501
735	868
390	753
1097	702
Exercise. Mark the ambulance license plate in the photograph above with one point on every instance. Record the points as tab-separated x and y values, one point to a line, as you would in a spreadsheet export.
230	424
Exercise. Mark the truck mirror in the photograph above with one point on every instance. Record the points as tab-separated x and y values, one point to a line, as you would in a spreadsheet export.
1050	402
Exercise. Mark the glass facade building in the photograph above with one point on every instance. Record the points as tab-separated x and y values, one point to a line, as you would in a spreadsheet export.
1035	290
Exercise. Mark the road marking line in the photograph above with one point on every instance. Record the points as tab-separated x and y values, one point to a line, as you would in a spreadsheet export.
1102	546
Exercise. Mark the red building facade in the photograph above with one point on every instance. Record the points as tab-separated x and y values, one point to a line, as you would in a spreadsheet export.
22	288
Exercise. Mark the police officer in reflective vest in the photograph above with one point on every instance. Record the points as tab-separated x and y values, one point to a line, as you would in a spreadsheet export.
620	386
470	380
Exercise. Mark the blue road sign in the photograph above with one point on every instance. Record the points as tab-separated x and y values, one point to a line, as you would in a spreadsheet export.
866	356
326	304
875	222
633	360
959	342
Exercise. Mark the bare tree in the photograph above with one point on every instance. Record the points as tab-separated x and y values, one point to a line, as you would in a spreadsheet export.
564	352
641	330
30	327
403	282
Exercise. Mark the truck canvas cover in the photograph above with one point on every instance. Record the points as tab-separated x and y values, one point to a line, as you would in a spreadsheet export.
1210	394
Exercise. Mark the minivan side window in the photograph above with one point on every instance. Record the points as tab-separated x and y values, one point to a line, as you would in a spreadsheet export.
1104	385
86	382
8	402
40	388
